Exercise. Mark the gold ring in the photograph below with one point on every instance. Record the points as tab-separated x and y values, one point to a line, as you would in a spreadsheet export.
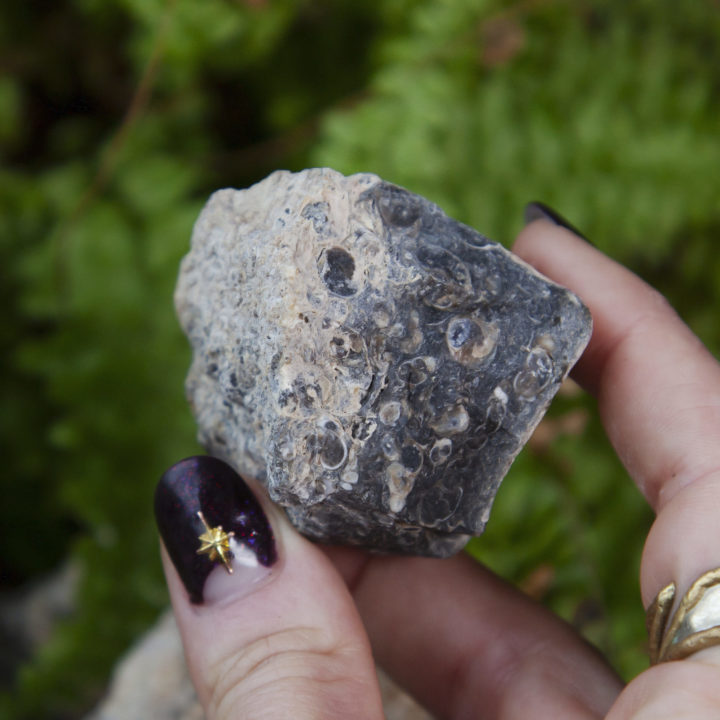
693	626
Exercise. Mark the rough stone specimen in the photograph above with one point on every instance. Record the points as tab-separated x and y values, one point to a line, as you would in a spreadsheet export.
375	363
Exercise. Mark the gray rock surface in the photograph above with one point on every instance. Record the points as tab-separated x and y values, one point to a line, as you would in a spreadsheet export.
377	364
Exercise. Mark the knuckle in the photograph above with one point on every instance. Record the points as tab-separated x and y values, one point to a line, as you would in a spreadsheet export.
294	669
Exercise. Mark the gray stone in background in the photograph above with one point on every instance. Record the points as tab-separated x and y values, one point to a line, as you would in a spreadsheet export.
375	363
30	615
151	680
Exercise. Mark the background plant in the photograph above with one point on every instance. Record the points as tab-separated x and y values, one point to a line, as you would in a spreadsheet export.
118	118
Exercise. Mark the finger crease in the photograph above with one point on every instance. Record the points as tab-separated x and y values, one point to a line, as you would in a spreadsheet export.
681	482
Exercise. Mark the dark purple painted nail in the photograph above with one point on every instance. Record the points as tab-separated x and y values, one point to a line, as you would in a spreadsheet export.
541	211
214	529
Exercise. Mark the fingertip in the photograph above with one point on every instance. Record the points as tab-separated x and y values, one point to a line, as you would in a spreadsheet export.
279	636
537	210
555	251
214	529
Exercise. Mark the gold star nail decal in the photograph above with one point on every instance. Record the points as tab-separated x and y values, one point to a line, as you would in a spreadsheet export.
215	543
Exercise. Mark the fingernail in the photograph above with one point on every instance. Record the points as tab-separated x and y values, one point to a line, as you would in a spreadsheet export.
214	529
540	211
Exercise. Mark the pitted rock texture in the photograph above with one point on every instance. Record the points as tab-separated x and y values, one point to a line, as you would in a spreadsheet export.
377	364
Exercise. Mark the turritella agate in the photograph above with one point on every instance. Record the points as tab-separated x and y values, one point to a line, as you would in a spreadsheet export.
375	363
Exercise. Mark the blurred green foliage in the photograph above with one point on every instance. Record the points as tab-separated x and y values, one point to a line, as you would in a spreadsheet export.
119	117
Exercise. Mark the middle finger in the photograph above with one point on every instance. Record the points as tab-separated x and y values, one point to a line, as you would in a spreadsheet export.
467	644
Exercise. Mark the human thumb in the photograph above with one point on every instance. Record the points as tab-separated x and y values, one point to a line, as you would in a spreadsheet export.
269	628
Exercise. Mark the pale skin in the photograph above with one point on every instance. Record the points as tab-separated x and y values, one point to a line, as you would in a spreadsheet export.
466	644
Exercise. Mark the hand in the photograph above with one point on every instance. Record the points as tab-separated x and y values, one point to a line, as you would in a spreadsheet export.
292	637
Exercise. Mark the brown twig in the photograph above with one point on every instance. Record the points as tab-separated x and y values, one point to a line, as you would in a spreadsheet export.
138	103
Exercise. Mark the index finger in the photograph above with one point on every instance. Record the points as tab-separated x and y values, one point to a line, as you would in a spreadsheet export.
658	391
657	386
